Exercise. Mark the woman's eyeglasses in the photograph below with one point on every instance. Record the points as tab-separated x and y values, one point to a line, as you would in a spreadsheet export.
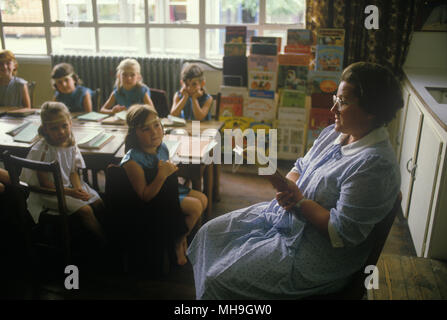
339	102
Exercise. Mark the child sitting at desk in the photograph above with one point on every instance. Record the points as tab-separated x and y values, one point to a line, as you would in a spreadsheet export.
192	102
150	173
13	90
129	88
58	144
69	90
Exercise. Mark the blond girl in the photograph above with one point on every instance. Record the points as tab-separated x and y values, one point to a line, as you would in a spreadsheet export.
129	88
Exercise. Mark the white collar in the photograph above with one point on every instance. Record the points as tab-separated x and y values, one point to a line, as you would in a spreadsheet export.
375	136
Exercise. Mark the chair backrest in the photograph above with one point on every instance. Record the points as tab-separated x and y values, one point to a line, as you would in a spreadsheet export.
216	98
96	100
160	100
31	87
14	166
356	288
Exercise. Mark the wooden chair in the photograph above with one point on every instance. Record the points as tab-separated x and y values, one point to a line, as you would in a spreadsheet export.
355	290
124	208
216	98
160	100
14	166
31	86
96	100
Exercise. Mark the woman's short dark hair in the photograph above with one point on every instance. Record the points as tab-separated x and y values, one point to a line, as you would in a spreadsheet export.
378	90
62	70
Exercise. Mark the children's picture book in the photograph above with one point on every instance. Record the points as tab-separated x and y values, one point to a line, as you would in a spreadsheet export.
236	122
231	106
260	109
294	59
20	112
235	71
299	37
258	62
235	49
292	113
292	77
290	135
260	80
267	40
264	48
26	132
300	48
92	116
329	58
331	37
262	94
322	100
324	81
235	34
292	98
318	120
96	141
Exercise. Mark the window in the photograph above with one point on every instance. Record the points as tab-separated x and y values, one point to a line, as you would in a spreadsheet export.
187	28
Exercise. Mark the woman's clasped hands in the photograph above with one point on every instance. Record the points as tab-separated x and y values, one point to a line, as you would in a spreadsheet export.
290	197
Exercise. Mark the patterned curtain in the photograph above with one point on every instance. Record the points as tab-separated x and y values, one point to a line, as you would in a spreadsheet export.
387	46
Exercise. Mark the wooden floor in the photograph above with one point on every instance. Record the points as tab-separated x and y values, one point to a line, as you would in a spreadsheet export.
401	274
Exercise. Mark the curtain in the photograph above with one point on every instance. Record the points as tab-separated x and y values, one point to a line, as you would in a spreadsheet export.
387	45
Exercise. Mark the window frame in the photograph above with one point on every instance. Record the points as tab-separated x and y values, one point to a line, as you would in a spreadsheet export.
202	26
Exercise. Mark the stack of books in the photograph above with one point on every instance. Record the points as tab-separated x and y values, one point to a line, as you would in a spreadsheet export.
262	81
324	80
235	56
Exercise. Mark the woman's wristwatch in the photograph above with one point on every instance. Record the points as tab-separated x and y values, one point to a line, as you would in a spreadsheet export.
298	204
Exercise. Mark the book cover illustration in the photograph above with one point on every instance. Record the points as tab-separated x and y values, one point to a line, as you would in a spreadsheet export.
324	81
230	106
292	113
260	109
292	77
236	122
298	49
299	37
294	59
259	80
290	138
262	63
235	49
267	40
264	48
322	100
235	34
329	58
331	37
318	120
235	71
292	98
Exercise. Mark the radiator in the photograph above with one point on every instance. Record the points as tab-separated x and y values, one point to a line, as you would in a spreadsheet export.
99	72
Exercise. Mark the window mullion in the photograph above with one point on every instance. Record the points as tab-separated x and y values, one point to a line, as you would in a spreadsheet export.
47	25
2	35
146	28
95	24
202	29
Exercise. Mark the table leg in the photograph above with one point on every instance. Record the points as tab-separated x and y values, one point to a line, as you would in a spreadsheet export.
216	182
209	189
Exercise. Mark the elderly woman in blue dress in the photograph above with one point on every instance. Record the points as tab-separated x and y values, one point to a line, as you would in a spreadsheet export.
312	237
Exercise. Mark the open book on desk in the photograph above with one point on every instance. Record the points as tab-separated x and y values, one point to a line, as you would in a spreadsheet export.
92	116
195	147
172	121
95	140
26	132
20	112
277	179
118	118
172	147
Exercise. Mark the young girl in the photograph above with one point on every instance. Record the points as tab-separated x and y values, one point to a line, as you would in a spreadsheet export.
129	88
13	90
148	167
58	144
69	90
192	102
